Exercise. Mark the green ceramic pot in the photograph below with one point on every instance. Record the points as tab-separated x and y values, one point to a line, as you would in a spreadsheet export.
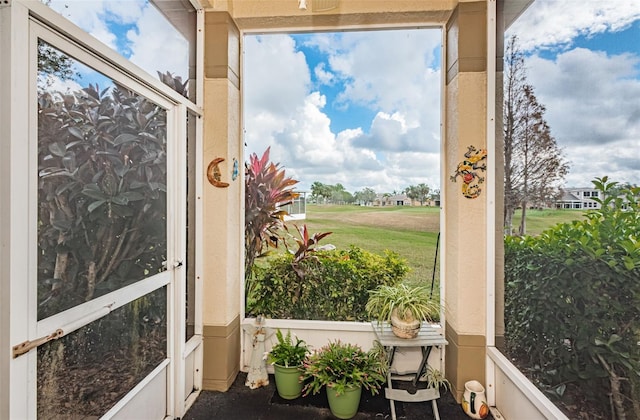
345	405
288	382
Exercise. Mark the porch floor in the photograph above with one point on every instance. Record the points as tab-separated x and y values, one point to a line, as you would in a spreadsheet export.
242	403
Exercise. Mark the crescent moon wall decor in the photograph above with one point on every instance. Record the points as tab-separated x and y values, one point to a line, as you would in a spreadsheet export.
214	175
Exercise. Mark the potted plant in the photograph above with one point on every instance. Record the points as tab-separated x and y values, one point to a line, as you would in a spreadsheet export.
344	369
404	307
286	358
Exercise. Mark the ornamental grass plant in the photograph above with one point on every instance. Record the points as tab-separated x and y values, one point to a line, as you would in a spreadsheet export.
409	302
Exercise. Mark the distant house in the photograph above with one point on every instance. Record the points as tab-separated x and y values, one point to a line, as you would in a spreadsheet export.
392	200
578	198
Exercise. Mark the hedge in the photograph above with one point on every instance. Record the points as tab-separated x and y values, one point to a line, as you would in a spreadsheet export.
572	299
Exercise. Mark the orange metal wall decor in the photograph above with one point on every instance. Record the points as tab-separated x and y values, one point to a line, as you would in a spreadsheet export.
475	161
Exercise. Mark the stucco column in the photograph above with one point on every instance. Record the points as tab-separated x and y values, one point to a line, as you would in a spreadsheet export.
222	222
465	237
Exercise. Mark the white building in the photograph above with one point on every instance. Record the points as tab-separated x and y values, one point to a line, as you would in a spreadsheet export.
579	198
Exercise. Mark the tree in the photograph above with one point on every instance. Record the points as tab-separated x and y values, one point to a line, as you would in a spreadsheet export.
534	165
339	195
366	196
418	192
435	195
335	194
52	65
320	191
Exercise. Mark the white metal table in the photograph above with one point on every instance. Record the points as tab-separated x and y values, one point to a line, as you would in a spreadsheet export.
427	338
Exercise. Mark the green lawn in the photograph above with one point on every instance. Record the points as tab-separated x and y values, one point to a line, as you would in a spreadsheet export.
409	231
416	245
539	220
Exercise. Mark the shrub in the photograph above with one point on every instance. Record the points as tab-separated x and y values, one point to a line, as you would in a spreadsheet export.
335	285
571	302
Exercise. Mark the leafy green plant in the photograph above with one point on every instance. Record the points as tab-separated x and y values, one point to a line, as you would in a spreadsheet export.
267	190
175	83
101	193
287	353
570	301
409	302
339	365
278	291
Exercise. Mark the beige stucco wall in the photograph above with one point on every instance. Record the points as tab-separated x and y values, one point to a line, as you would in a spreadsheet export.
223	225
223	229
464	122
465	228
465	219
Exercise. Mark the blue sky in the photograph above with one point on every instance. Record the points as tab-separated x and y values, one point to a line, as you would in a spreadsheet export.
375	123
584	63
363	108
357	108
134	28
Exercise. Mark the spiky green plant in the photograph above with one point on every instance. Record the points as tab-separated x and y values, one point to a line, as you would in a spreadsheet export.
409	302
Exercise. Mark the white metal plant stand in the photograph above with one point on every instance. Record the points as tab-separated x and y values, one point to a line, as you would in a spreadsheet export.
427	338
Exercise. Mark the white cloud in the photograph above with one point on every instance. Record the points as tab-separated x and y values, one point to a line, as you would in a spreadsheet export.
158	46
287	114
90	16
620	162
591	96
391	71
555	23
125	11
325	77
154	43
54	85
277	75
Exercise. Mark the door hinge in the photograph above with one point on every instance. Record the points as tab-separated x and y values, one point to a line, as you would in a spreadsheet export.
25	346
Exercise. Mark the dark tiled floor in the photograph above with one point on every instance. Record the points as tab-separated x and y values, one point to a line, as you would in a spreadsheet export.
242	403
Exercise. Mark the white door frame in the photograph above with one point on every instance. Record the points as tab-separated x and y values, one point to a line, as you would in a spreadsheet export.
18	231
